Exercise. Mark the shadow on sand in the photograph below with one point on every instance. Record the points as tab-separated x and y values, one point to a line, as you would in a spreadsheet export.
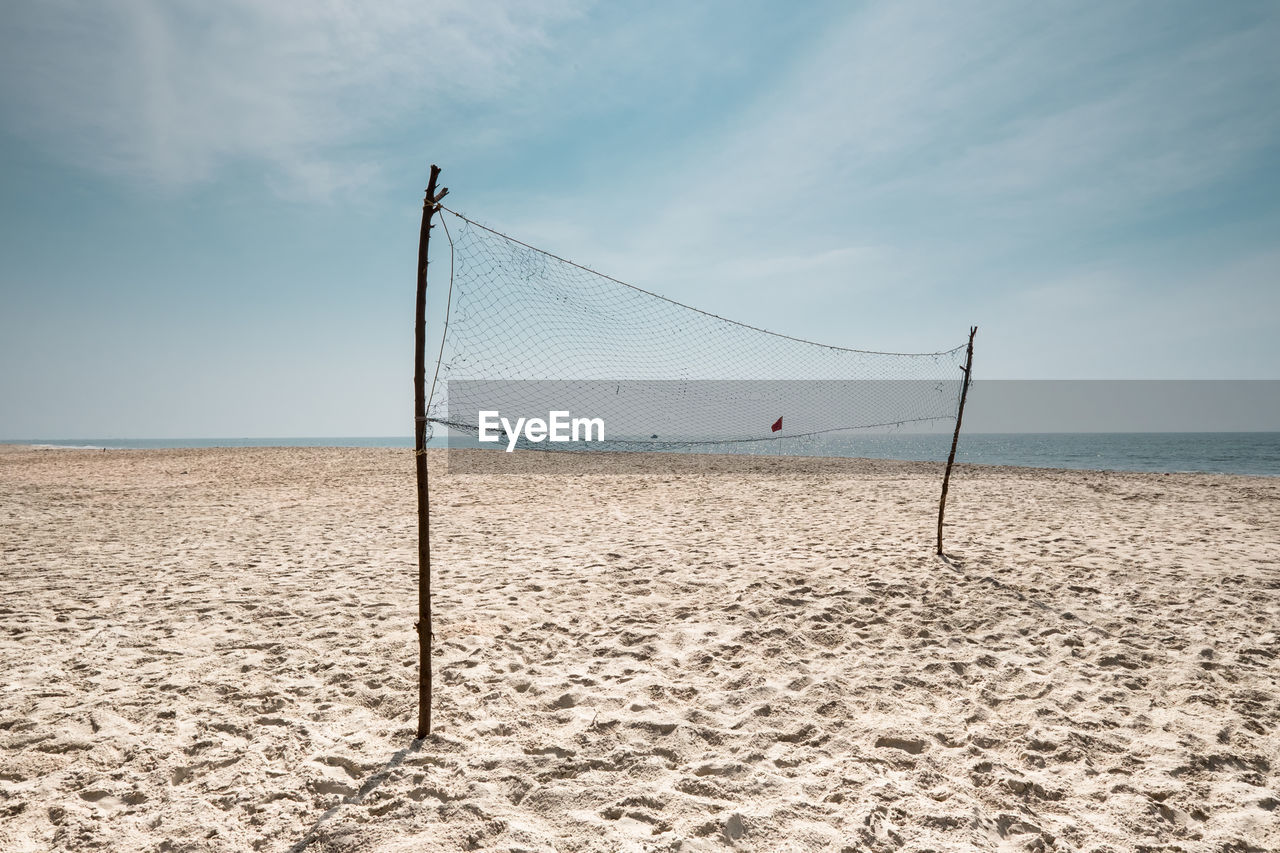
370	785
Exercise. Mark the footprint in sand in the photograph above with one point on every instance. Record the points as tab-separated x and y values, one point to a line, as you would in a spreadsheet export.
913	746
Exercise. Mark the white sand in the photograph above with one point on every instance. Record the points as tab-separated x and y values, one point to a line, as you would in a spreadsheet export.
212	650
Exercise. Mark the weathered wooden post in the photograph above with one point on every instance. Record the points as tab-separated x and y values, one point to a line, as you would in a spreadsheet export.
429	206
955	439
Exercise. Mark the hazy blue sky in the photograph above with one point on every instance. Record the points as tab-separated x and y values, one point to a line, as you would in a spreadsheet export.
210	209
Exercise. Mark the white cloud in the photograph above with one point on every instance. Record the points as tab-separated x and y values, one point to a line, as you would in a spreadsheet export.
933	105
173	92
975	147
1174	123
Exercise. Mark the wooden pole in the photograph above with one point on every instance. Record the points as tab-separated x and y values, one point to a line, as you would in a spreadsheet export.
423	626
955	439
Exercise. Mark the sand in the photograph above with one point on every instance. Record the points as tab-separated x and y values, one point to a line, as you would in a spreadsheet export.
213	650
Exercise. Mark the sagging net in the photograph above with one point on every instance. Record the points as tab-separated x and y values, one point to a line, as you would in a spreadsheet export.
529	333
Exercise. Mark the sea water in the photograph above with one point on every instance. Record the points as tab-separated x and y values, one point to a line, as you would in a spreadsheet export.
1256	453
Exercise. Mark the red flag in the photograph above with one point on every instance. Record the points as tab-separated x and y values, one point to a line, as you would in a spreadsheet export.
777	425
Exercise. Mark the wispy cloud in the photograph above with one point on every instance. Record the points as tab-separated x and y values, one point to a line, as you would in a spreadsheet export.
173	92
975	146
882	177
935	108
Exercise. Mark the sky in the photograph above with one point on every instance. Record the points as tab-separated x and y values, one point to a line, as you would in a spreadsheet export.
210	211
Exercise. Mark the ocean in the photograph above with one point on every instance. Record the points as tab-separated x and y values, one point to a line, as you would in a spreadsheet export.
1255	453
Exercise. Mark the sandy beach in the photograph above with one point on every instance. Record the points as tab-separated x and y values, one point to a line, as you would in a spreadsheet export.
213	650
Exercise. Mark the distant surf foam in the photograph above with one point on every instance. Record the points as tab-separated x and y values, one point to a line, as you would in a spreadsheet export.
1252	453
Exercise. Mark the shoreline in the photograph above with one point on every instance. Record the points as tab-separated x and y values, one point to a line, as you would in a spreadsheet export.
633	463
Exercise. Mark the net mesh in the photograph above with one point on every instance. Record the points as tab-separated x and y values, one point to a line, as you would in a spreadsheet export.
531	331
